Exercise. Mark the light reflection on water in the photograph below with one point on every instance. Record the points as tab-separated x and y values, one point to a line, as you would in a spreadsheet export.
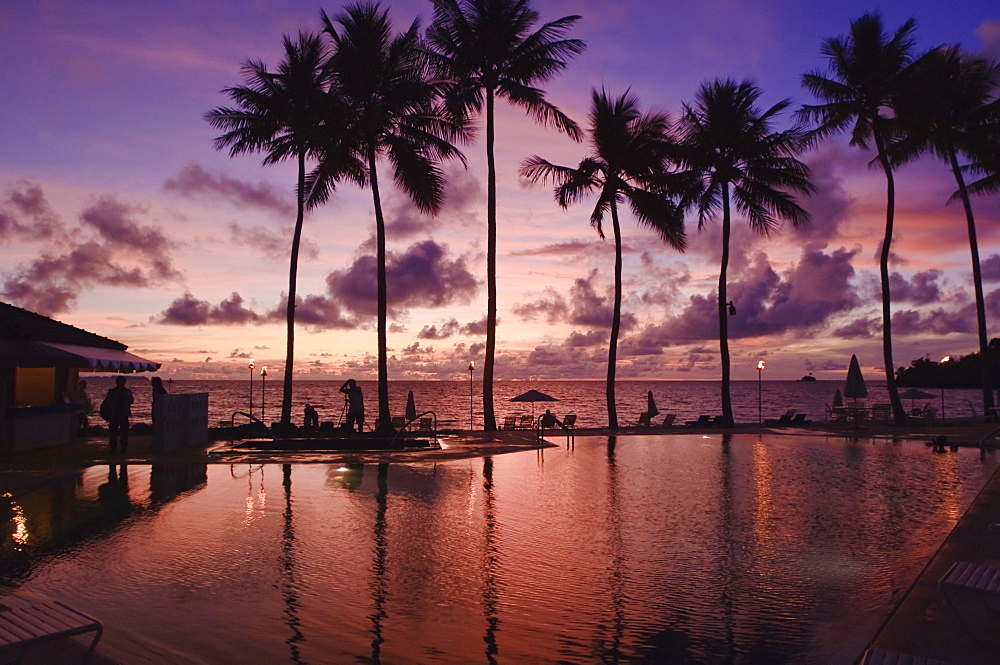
683	549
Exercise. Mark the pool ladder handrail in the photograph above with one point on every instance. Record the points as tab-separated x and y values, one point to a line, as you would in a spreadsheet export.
415	418
253	418
982	442
570	436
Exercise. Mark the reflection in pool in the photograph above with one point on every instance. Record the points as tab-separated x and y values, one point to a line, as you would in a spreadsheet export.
679	549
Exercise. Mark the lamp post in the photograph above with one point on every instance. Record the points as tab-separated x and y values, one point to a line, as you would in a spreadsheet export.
263	375
251	387
472	366
944	360
760	419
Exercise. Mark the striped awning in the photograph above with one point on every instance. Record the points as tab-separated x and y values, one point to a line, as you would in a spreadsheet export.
92	358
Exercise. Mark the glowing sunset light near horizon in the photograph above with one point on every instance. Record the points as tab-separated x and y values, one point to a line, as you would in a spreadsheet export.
118	216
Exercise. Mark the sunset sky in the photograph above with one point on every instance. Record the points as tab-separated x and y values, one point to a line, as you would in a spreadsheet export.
118	216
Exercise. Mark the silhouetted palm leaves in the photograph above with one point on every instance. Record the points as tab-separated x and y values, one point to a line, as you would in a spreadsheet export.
865	71
486	49
628	164
946	106
731	155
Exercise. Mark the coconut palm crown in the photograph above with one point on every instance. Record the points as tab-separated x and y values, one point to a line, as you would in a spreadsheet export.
486	50
732	156
628	164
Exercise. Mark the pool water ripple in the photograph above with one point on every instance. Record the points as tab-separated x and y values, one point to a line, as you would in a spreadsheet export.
684	549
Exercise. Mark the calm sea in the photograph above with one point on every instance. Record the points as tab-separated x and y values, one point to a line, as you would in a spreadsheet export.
450	400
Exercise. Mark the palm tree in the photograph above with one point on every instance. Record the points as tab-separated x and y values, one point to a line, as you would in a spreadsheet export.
947	107
487	50
728	146
384	80
865	70
628	164
280	113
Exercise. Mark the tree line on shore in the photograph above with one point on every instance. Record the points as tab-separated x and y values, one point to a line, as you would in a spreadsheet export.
358	94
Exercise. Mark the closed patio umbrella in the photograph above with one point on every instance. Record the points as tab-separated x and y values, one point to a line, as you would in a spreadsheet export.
533	396
855	387
838	399
651	405
411	409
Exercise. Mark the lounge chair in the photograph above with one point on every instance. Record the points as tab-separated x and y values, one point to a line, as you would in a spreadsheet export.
569	420
930	412
509	422
838	414
643	420
800	419
398	422
669	420
973	591
784	420
426	424
703	421
881	412
718	421
527	422
25	622
883	657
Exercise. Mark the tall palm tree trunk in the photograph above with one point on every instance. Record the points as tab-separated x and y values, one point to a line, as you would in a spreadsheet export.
384	418
615	321
727	403
293	270
899	415
489	418
977	282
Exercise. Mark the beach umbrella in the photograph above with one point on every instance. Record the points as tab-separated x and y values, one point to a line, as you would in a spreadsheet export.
855	387
533	396
838	399
651	405
411	409
915	394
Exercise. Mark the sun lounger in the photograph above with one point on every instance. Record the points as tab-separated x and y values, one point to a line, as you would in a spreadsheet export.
973	591
785	419
718	421
569	420
883	657
509	422
881	412
643	420
800	419
527	422
26	622
703	421
669	420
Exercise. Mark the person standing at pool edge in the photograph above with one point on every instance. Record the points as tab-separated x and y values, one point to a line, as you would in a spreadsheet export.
355	405
117	409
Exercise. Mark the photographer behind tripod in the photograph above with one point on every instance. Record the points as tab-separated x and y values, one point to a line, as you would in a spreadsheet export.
355	405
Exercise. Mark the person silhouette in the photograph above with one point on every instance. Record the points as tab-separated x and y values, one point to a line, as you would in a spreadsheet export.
119	409
355	405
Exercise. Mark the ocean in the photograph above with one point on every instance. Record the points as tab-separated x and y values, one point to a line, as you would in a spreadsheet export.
450	400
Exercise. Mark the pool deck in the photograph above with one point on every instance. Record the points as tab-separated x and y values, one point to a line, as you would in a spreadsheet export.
923	624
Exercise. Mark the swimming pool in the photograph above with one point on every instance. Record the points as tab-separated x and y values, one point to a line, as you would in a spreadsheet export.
674	549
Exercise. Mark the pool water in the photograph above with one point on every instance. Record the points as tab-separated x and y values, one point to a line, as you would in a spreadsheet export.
637	549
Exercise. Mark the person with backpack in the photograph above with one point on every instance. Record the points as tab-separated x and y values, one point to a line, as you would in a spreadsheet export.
117	409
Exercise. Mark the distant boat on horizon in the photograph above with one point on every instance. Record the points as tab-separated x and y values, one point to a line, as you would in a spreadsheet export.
808	377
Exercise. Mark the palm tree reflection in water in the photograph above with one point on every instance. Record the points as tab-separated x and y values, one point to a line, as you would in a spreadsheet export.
618	569
379	585
491	558
290	592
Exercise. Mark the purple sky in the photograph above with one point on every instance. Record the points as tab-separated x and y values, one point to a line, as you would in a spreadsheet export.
118	216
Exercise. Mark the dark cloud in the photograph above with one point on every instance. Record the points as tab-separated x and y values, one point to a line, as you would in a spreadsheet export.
922	288
864	327
991	268
937	321
585	307
571	248
452	327
318	312
193	180
26	215
589	338
830	204
463	201
189	311
422	276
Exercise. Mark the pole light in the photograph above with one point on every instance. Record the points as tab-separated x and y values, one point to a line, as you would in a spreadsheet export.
946	359
760	403
472	366
251	387
263	375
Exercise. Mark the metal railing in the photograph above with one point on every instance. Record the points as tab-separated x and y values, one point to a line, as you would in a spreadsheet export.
252	418
417	419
